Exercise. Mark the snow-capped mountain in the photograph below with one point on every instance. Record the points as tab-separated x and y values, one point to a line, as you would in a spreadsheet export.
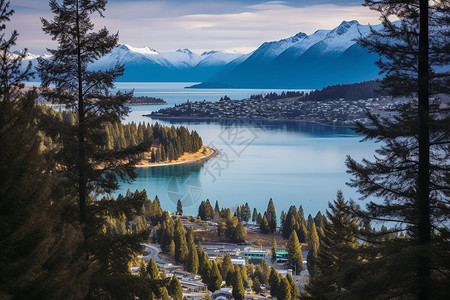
323	58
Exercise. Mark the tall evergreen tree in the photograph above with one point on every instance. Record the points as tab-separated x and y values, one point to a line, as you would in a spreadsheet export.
410	172
295	293
254	215
192	262
274	251
215	279
271	216
179	208
181	247
152	269
285	289
227	265
174	289
238	287
82	156
313	243
294	249
38	241
336	252
274	282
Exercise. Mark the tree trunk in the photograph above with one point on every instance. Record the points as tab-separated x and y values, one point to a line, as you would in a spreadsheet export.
423	197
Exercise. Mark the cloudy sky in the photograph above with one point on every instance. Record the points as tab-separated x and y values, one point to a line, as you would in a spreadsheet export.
199	25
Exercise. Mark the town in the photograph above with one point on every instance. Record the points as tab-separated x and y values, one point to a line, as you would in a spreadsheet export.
337	112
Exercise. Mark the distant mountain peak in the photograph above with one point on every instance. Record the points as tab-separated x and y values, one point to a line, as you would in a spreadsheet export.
209	52
144	50
185	51
344	27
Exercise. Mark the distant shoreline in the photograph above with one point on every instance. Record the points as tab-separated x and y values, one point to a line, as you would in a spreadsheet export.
244	120
212	152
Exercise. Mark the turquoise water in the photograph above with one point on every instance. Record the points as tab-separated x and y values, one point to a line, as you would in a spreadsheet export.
293	163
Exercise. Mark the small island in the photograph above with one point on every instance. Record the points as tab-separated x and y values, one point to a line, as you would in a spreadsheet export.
145	100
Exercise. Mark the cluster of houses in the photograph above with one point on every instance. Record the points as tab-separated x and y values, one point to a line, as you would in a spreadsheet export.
338	112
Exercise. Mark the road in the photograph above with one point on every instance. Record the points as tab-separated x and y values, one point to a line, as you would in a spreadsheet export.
154	251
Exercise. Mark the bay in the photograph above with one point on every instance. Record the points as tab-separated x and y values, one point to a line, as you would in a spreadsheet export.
293	163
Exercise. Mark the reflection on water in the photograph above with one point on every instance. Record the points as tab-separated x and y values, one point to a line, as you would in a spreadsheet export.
272	125
169	171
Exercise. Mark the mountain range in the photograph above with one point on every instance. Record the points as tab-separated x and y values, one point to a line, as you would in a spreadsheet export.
323	58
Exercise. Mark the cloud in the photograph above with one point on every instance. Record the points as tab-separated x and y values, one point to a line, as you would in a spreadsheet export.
203	25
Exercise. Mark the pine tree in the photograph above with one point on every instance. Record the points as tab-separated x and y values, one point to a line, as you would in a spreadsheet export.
85	164
38	241
152	269
295	293
285	289
192	262
238	287
240	234
215	279
264	226
181	248
274	282
313	243
255	215
410	171
256	285
174	289
274	251
336	252
295	259
271	216
227	265
265	272
179	208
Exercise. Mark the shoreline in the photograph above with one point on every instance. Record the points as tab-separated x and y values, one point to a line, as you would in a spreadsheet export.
213	152
200	119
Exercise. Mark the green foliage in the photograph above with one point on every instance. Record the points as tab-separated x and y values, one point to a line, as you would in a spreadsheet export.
295	259
266	271
238	287
274	282
274	250
295	221
152	269
181	248
285	289
254	215
179	208
38	243
313	243
192	263
264	225
227	265
271	216
205	210
174	289
295	293
215	279
256	285
336	252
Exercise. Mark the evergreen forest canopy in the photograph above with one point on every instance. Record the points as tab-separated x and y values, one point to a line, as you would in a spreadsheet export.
165	143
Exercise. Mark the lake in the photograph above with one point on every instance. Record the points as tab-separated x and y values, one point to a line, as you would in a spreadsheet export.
293	163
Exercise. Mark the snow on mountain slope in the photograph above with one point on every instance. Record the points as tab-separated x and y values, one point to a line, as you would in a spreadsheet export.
214	58
182	58
125	54
270	50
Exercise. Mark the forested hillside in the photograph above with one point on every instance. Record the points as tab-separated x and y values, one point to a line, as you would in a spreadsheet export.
167	143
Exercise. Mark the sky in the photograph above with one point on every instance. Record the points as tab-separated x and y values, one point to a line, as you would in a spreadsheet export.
198	25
